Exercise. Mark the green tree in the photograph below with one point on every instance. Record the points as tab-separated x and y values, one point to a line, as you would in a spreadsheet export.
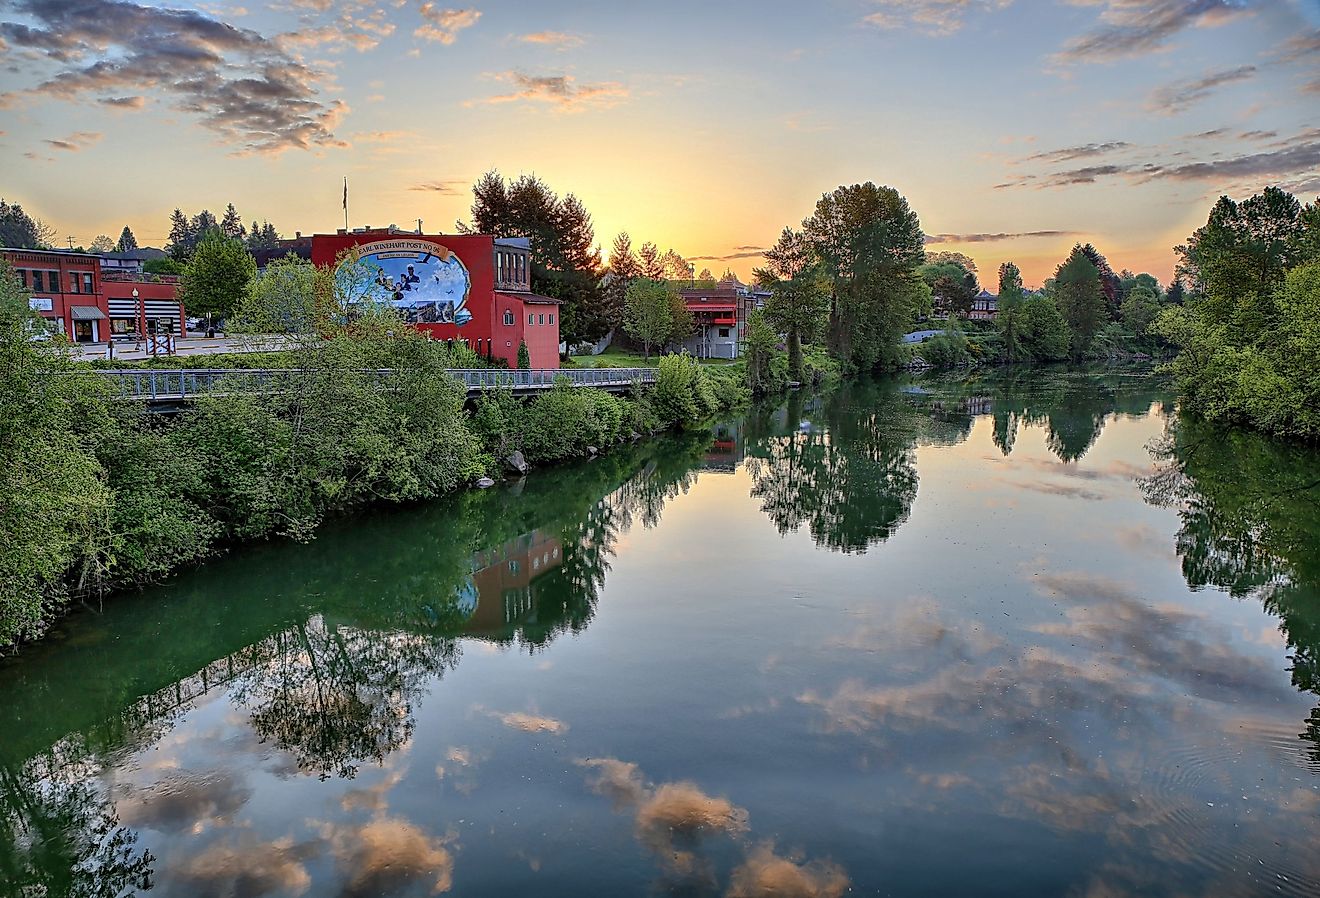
180	242
762	352
623	270
650	262
1140	309
1246	335
217	277
870	243
164	265
1009	318
565	261
102	244
231	225
20	230
53	498
524	356
127	242
649	312
1080	298
290	296
800	297
1045	333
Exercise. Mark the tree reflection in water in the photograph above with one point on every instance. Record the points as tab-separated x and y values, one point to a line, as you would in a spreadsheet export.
1250	511
61	836
847	471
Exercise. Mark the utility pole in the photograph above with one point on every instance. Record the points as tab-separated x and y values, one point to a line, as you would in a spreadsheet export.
419	226
70	239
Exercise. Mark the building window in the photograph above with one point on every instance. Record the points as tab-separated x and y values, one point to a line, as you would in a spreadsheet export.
508	317
531	319
73	282
87	283
540	319
724	332
552	318
22	277
53	281
36	282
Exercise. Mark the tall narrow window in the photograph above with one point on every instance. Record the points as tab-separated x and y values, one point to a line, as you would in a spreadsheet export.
508	317
531	319
540	319
73	282
87	283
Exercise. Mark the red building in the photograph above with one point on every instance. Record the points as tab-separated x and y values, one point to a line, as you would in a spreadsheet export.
469	288
69	291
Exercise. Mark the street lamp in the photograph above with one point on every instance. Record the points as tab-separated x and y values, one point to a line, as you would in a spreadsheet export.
141	317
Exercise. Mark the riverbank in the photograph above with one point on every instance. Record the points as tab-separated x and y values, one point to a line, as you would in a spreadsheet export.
102	497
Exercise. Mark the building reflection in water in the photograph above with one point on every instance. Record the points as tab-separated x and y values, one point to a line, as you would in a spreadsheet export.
506	581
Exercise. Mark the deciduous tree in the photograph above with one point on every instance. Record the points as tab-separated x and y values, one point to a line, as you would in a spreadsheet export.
800	293
217	277
870	243
648	313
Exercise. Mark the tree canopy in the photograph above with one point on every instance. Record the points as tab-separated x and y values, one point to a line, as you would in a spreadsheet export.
20	230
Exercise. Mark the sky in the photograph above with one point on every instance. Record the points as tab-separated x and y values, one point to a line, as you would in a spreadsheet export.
1014	128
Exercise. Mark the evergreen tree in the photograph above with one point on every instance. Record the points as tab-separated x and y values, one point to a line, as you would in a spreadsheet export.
127	242
1110	283
1080	298
1009	317
20	230
565	260
231	225
179	243
624	269
651	262
524	356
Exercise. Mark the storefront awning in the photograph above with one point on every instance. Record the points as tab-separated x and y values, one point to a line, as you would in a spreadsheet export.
86	313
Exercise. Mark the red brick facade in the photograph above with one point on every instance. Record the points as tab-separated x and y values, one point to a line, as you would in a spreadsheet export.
469	288
67	290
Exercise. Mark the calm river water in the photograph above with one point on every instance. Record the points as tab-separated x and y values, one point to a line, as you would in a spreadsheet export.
1016	635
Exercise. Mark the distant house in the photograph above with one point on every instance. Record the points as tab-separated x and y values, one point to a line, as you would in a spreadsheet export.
985	306
130	262
715	314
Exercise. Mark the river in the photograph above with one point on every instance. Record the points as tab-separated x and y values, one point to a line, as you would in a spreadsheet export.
1018	633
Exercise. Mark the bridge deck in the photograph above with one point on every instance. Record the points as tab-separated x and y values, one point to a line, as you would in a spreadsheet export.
177	385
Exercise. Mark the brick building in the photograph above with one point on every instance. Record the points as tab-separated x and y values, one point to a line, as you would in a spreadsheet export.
88	304
469	288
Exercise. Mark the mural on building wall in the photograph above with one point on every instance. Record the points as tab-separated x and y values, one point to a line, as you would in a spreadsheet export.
423	280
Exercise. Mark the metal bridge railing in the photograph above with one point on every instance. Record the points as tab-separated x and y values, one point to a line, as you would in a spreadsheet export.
184	383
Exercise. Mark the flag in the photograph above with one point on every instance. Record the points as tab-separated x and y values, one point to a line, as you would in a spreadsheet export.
345	194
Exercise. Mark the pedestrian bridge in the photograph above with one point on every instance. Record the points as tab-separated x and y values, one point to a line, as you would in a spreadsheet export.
165	386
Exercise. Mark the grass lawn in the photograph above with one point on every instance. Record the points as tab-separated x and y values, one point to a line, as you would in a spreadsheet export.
615	358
